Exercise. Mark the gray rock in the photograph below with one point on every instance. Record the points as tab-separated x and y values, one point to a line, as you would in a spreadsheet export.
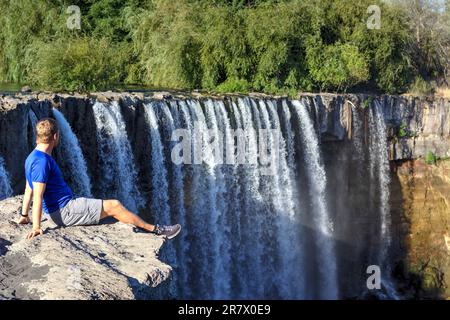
26	89
108	261
162	95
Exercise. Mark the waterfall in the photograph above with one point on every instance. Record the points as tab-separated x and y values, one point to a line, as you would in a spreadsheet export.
72	159
279	214
204	202
321	218
5	184
182	120
219	229
117	167
33	120
173	122
379	147
160	185
358	133
159	176
254	194
380	188
253	205
278	198
292	258
236	210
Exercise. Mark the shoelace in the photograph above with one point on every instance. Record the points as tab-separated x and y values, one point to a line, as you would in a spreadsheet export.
168	228
161	229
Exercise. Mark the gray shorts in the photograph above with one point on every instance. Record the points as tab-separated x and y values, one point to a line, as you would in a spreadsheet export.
78	212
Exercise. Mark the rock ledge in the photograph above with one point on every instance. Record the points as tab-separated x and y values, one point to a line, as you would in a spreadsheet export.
109	261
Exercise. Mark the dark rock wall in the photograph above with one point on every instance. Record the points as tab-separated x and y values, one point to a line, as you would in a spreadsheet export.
416	126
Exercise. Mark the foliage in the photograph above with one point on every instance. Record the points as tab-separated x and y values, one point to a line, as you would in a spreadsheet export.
367	102
274	46
234	85
430	158
421	87
75	64
403	131
337	66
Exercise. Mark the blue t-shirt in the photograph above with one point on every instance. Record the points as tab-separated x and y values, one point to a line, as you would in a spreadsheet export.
41	167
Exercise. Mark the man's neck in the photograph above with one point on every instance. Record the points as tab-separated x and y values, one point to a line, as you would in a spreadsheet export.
47	148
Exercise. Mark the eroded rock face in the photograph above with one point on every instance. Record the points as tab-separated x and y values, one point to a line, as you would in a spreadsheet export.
422	202
416	125
420	195
109	261
425	123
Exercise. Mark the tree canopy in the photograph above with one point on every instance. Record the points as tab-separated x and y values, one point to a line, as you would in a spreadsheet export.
273	46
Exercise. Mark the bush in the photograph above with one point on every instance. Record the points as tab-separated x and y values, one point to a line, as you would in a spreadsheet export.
234	85
80	64
337	66
273	46
403	131
225	55
166	39
430	158
421	87
23	22
367	102
277	35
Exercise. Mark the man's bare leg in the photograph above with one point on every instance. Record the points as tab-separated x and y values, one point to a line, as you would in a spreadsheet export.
115	209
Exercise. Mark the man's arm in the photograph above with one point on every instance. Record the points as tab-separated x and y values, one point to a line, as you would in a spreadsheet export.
38	193
24	219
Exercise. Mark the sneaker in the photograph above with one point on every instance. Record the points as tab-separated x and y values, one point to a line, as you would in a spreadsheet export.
169	232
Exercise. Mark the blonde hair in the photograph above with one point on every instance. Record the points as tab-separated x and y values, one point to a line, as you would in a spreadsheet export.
45	130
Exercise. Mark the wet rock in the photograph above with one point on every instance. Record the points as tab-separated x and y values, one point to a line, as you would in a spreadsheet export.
108	261
427	121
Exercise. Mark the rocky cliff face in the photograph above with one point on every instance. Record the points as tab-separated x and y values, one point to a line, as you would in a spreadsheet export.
108	261
421	203
420	193
416	125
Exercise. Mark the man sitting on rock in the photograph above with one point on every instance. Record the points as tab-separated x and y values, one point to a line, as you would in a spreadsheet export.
46	186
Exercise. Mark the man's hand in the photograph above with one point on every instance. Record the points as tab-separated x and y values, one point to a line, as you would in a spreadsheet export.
23	220
34	233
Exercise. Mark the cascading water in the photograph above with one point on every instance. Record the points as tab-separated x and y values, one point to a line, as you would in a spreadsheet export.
117	166
380	186
321	217
378	151
204	206
160	184
33	121
160	181
182	120
357	132
252	276
71	158
5	184
242	218
291	260
252	192
219	229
